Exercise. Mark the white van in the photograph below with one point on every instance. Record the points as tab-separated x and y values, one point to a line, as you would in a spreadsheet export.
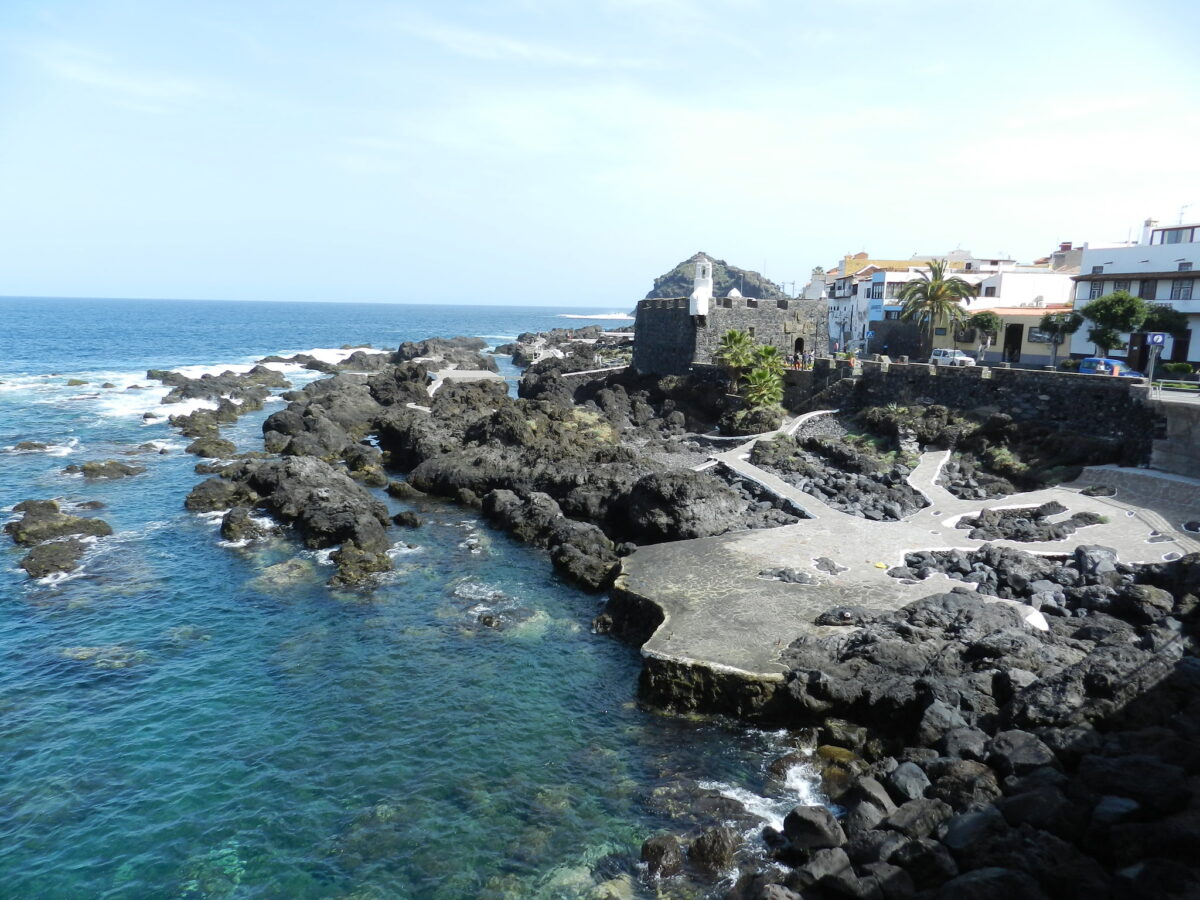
944	357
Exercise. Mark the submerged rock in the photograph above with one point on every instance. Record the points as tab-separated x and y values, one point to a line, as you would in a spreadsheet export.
285	575
106	656
53	557
109	468
42	520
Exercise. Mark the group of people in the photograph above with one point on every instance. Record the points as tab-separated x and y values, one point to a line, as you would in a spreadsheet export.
801	360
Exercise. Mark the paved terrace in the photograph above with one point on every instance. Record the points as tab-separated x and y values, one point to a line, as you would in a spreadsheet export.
720	615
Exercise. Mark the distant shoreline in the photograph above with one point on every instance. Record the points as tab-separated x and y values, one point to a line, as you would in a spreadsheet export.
618	316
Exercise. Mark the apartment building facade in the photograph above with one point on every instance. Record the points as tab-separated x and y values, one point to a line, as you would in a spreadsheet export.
1162	268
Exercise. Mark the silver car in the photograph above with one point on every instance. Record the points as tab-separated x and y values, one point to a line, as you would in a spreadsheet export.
944	357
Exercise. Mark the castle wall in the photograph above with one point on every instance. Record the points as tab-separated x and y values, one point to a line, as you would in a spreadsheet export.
669	341
664	337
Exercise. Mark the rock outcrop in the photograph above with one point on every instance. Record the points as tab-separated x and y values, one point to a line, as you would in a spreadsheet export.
53	535
323	504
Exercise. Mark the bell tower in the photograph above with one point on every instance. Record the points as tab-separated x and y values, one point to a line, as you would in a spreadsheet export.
702	288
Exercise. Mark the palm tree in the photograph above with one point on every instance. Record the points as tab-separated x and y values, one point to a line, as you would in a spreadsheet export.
768	357
933	298
763	388
735	353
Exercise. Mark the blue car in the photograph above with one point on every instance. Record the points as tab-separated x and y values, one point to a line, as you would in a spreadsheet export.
1098	365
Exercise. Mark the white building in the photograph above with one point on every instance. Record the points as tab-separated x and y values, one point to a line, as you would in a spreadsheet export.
1159	268
858	296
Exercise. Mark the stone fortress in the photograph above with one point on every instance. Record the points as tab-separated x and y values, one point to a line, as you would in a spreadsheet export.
675	333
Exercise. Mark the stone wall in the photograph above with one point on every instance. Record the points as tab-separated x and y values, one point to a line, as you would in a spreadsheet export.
668	340
664	341
1082	403
1178	451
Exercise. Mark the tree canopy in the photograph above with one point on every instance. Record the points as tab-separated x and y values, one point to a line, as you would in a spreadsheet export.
736	354
986	321
1058	327
1120	311
763	388
1166	319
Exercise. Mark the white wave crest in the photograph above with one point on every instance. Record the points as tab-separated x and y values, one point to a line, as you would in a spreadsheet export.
601	316
799	789
64	449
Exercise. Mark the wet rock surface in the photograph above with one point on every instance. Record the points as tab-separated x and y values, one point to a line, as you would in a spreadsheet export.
249	389
324	505
54	536
43	520
109	468
54	557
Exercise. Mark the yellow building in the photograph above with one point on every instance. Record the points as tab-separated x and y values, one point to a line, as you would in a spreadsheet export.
1018	341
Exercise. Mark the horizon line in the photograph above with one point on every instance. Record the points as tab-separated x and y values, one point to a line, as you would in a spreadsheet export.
330	302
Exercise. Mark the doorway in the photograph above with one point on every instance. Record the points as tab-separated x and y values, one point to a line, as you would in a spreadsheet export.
799	346
1012	342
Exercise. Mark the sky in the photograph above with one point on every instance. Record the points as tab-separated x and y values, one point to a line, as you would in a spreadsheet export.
565	152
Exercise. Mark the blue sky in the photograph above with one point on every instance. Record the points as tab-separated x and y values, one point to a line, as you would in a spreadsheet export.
565	153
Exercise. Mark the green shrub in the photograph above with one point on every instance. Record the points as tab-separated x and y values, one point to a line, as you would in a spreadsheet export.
1069	365
1178	368
751	421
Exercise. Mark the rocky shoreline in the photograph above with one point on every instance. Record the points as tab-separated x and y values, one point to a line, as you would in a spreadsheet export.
969	753
1047	745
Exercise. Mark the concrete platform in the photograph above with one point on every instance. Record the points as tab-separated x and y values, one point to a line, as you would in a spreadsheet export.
452	374
719	615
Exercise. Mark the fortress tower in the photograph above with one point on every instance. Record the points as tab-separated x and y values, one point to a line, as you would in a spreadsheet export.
702	288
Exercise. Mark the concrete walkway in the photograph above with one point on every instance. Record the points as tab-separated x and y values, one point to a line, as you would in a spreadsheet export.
719	614
454	374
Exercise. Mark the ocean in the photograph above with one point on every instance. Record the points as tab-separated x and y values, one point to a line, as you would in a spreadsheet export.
177	722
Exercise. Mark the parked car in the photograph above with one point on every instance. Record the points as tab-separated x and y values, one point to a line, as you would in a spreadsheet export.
1099	365
944	357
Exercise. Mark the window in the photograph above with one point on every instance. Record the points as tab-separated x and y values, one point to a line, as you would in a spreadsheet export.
1148	289
1185	267
750	331
1095	289
1097	270
1175	236
1181	288
1121	285
877	291
891	314
939	331
989	292
1037	336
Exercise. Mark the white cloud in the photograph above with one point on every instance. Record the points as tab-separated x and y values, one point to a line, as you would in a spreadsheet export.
502	48
145	91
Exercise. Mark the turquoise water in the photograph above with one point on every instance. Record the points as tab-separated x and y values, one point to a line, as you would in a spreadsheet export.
180	722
